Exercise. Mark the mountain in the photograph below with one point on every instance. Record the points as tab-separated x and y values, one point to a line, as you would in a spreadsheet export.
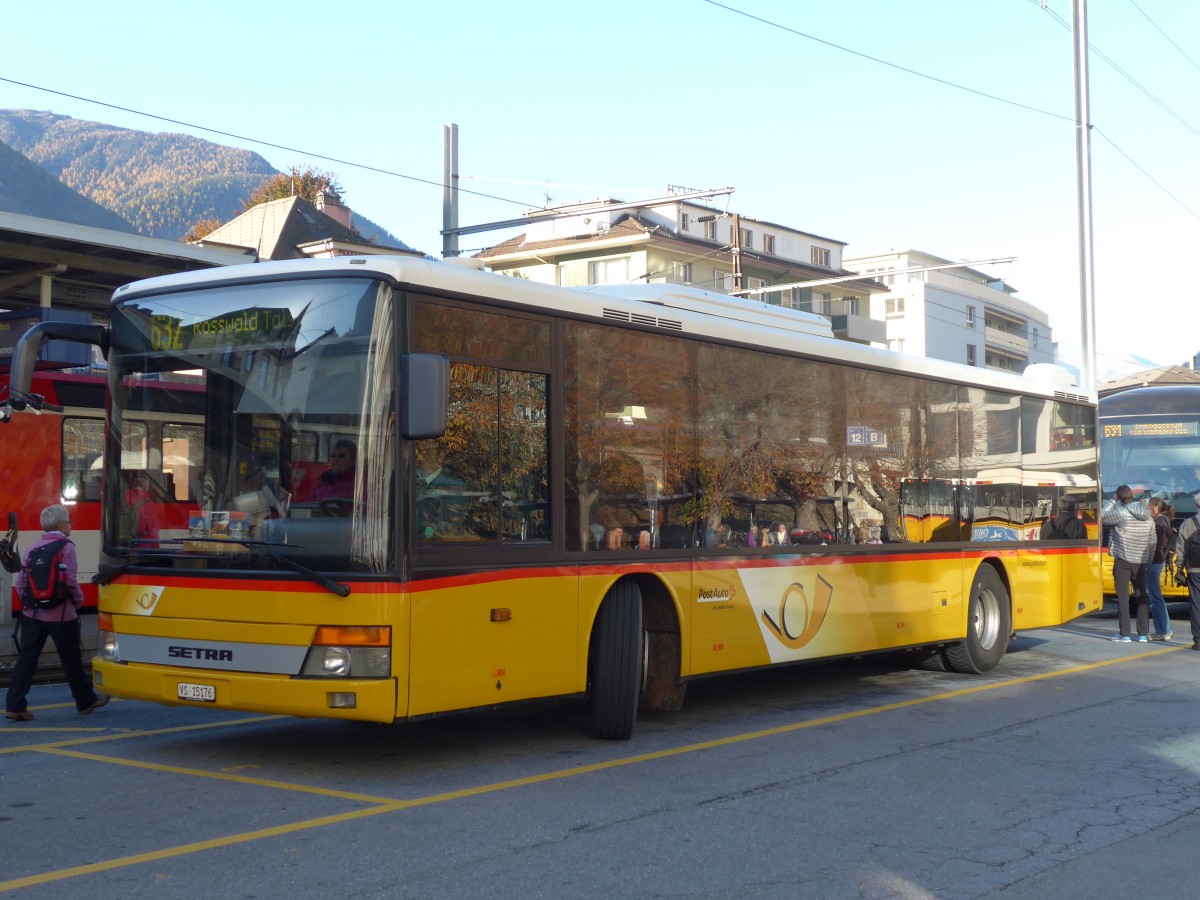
27	189
161	183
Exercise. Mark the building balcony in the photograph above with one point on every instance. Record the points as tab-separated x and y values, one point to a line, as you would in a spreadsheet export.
1007	341
860	329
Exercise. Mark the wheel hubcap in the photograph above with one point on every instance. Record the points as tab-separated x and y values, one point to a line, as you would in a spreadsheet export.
987	620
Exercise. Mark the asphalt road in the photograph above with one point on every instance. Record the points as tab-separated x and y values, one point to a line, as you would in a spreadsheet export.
1070	771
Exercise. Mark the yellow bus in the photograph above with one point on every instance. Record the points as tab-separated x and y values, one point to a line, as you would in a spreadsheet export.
422	489
1150	440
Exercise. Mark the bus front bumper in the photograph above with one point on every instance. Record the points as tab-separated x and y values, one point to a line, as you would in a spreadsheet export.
363	700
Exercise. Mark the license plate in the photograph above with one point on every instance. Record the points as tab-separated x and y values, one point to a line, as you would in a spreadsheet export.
205	693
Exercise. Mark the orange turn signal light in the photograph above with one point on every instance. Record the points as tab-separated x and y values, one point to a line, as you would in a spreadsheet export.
353	636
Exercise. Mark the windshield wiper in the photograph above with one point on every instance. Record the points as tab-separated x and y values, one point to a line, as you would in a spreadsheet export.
334	587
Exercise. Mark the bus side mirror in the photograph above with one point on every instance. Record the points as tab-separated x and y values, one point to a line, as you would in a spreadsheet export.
25	353
424	395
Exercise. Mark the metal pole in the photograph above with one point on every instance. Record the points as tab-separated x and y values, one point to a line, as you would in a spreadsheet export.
449	190
1083	187
735	249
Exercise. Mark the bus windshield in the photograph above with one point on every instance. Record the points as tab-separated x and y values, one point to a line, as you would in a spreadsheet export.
1154	455
251	427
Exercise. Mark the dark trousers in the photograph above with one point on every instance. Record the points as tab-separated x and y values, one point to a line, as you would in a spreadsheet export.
1124	574
32	637
1194	602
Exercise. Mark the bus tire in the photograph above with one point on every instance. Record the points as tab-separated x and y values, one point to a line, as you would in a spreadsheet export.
931	661
616	663
989	626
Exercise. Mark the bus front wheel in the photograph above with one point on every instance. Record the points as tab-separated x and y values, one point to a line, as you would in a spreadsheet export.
989	626
616	663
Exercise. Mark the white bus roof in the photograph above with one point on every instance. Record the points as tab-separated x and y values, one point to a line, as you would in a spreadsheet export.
670	308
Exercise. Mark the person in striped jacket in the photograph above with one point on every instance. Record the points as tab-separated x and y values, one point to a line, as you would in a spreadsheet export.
1131	542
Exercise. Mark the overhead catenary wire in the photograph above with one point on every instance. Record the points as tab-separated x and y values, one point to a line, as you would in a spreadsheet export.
728	8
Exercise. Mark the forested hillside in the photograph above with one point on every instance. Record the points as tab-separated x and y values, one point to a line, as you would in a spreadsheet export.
161	183
27	189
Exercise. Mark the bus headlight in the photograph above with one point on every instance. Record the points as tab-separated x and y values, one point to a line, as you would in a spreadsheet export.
347	662
349	651
336	661
107	647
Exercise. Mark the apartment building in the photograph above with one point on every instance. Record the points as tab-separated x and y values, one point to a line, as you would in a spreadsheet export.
956	313
690	243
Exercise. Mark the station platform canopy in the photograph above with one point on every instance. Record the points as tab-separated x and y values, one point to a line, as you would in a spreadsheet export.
51	264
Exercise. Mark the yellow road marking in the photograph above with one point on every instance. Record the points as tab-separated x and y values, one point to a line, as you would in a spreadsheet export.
386	806
184	849
218	776
127	733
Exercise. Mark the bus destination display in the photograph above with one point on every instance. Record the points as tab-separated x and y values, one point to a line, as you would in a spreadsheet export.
1150	429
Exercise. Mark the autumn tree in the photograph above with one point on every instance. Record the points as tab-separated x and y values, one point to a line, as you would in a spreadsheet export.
303	183
201	230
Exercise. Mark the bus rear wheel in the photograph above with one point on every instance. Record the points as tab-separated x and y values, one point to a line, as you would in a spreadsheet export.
989	626
616	663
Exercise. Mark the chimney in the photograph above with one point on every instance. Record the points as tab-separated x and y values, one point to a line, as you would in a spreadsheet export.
331	204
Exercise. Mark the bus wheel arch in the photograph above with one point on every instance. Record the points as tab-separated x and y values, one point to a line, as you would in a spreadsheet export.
663	688
633	656
989	624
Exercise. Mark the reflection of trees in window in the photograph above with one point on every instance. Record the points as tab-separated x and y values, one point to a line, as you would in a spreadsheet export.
908	476
764	453
523	456
628	431
486	478
465	333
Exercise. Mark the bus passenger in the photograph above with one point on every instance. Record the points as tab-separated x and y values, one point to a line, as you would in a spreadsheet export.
1066	526
442	499
780	537
339	480
718	535
139	517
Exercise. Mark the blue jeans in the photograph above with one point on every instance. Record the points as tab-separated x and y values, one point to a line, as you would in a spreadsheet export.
1158	604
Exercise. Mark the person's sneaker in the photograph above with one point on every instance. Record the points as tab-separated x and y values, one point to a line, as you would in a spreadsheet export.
1162	637
22	716
1122	638
101	700
1196	645
1142	639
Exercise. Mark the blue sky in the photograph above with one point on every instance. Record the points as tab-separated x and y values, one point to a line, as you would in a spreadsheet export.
941	125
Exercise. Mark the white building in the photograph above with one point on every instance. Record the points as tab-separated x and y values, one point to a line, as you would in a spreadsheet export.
685	242
957	314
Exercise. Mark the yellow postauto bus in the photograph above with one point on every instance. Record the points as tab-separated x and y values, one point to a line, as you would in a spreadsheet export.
420	489
1150	440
